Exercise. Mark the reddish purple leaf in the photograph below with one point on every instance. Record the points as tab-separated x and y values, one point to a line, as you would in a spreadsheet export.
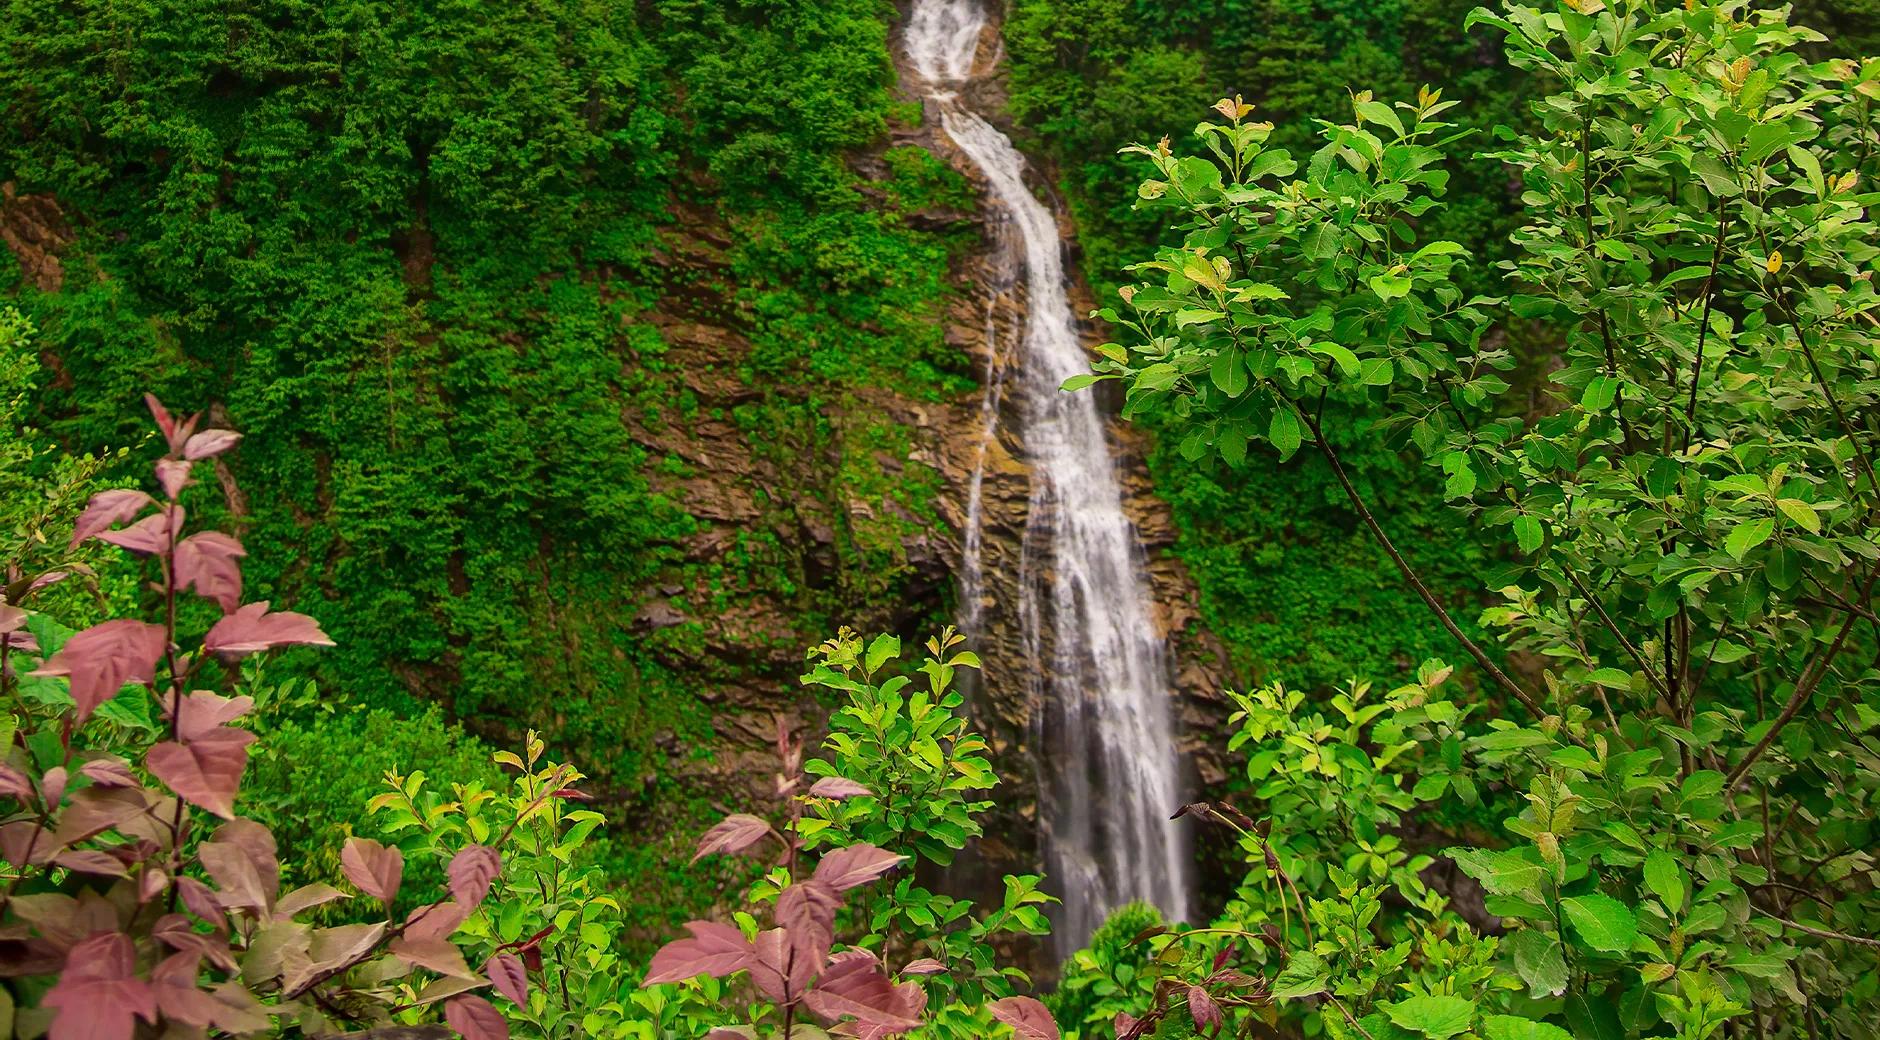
734	833
205	712
474	1018
206	563
207	771
436	920
373	868
439	955
807	911
1203	1009
839	787
854	986
98	809
714	949
471	872
108	509
174	931
152	882
306	897
854	865
778	969
173	476
509	977
91	861
1127	1026
102	658
165	423
151	536
110	771
99	997
924	966
15	784
1028	1018
201	901
52	785
252	629
242	886
179	997
209	443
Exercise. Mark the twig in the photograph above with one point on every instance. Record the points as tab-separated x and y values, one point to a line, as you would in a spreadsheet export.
1613	627
1410	575
1824	933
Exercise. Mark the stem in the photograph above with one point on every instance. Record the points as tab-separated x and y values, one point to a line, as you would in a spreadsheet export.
1613	627
1822	932
1804	687
1410	575
1703	328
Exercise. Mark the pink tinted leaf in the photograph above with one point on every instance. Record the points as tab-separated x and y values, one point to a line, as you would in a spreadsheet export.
206	771
201	901
99	997
175	931
151	536
838	787
108	509
165	423
373	868
91	861
474	1018
179	997
924	966
172	476
1028	1018
439	955
1127	1026
733	834
252	629
206	563
15	784
306	897
110	771
509	977
714	949
853	865
209	443
151	883
1203	1009
242	885
102	658
205	712
854	986
471	872
436	920
807	911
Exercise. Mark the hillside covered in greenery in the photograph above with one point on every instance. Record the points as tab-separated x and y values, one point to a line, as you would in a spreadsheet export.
486	490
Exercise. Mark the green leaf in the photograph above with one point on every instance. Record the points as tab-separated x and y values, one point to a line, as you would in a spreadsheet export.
1378	112
1433	1016
1346	360
1593	1017
1541	962
1801	512
1229	372
1528	533
1611	678
1283	431
1748	535
1501	873
1716	176
1080	381
1305	975
1665	879
884	649
1600	392
1440	248
1602	922
1508	1027
1390	286
1322	241
1376	372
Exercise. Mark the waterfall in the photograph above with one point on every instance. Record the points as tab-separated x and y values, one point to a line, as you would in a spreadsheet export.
1108	765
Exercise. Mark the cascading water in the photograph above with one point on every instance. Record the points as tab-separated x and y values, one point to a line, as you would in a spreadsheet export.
1109	768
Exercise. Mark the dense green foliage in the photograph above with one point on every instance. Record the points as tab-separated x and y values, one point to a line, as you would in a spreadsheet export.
1686	826
416	254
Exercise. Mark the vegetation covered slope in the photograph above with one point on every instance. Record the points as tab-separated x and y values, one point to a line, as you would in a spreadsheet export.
421	255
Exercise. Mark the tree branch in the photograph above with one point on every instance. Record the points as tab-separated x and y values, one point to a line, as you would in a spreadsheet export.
1410	575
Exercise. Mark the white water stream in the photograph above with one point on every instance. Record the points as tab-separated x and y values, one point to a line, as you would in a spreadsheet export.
1109	768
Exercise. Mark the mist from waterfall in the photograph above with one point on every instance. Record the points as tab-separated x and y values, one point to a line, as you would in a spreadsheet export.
1108	764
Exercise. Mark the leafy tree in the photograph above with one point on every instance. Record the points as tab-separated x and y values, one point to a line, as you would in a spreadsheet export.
1690	519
